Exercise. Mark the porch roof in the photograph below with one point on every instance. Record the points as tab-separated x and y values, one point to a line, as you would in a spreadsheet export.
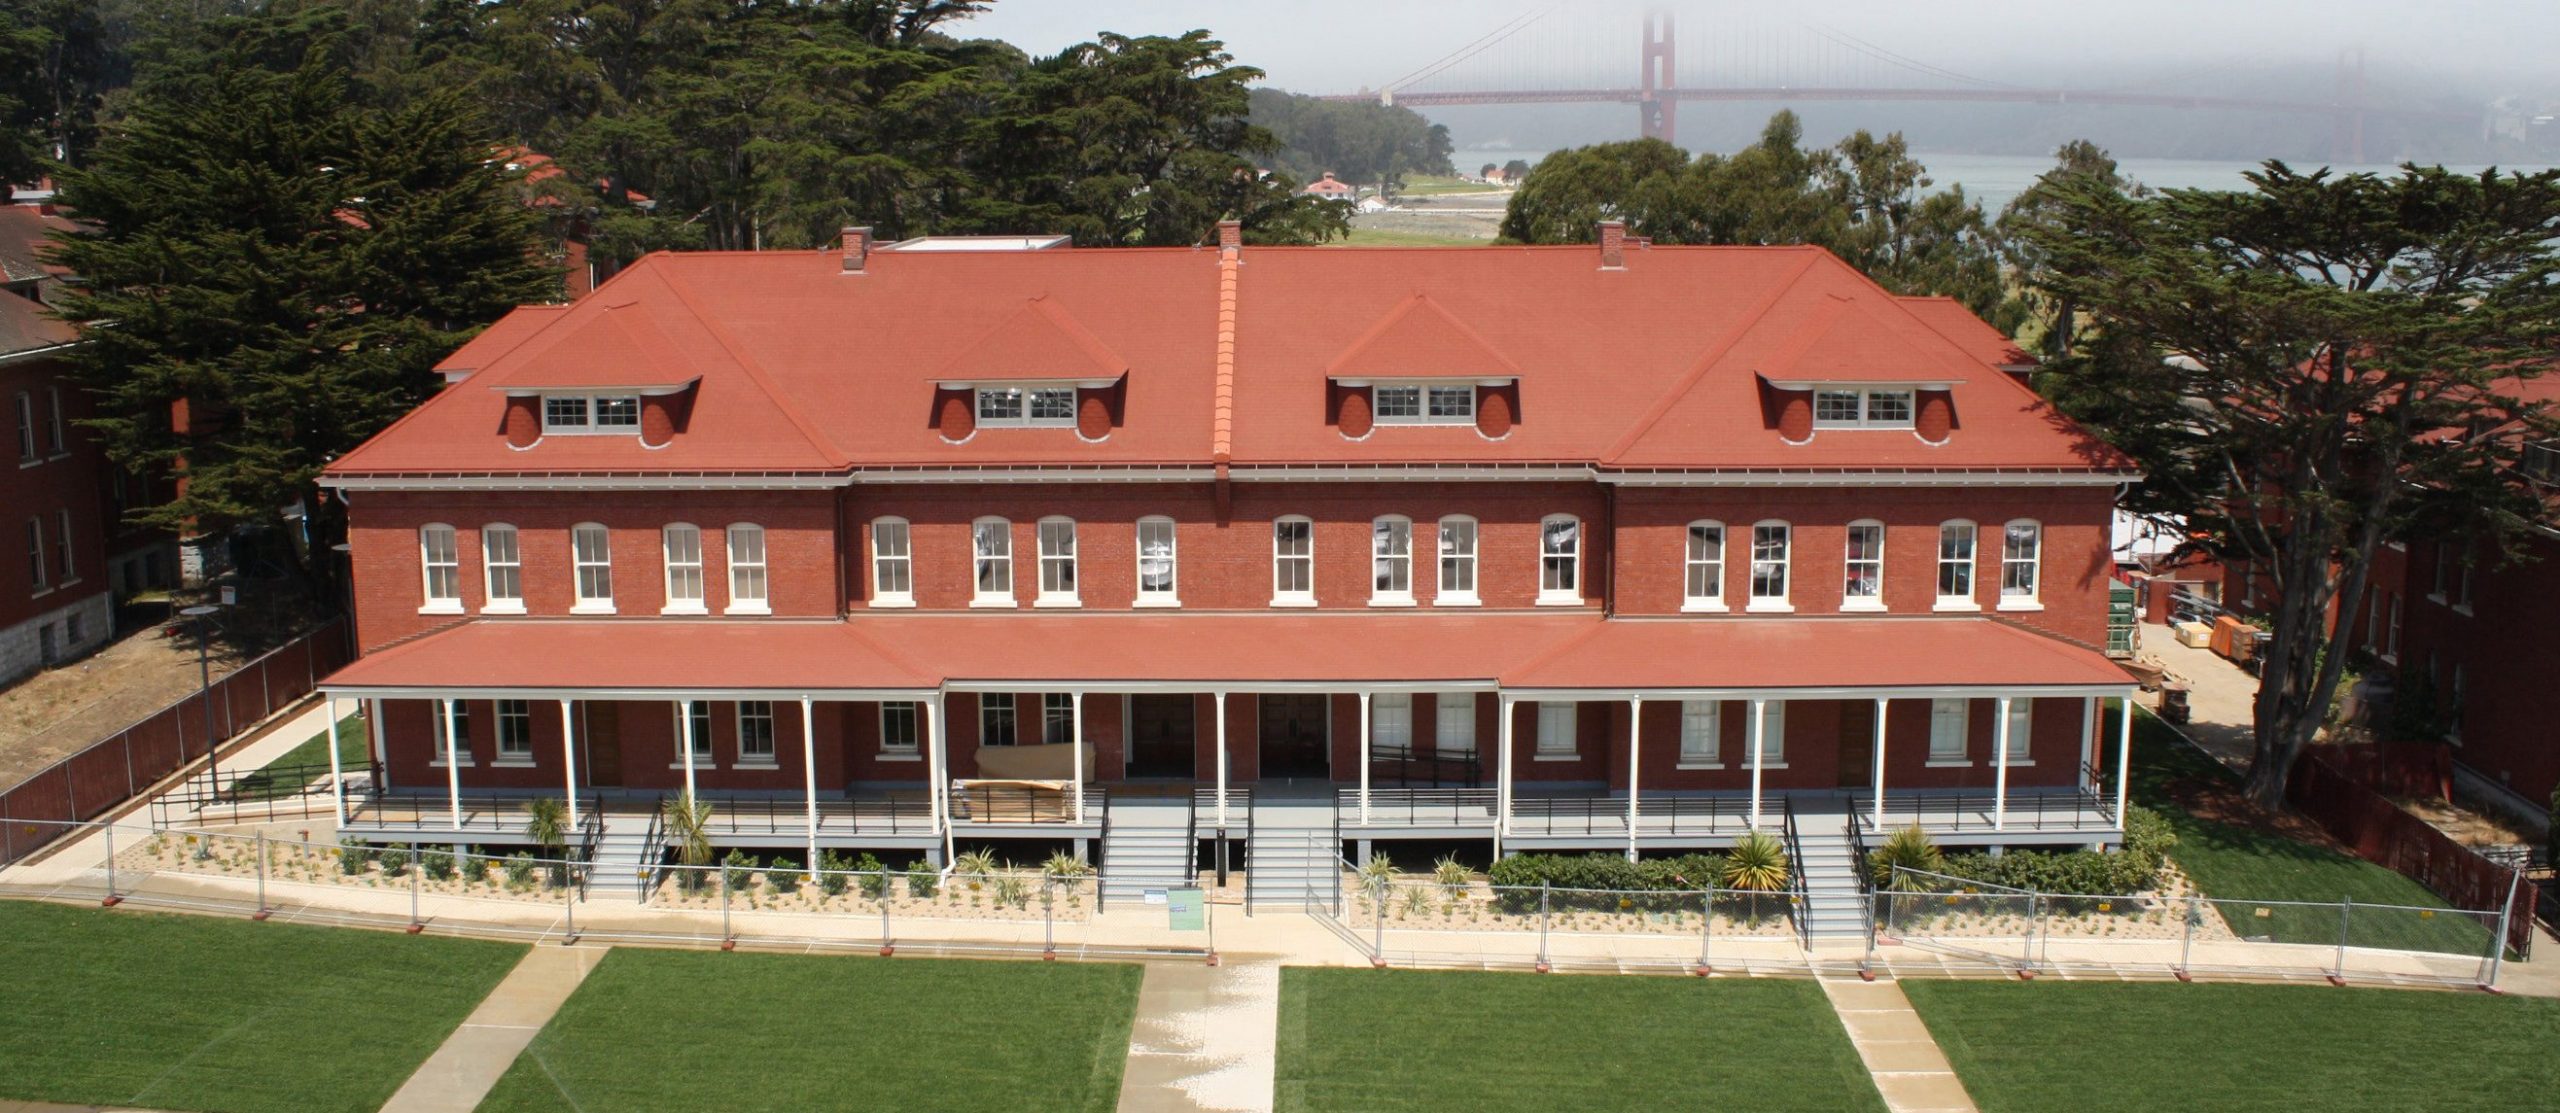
1815	653
641	655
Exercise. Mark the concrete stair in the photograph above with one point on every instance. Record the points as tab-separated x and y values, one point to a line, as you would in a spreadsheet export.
622	851
1834	908
1149	846
1288	864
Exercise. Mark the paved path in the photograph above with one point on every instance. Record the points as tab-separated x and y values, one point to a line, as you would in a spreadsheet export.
460	1073
1908	1068
1204	1038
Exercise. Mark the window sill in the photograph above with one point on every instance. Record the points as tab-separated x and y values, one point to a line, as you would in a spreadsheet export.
75	582
2021	605
1863	606
1164	601
23	464
1963	605
512	763
705	765
1555	757
766	763
431	608
516	607
2463	609
1699	765
1770	765
887	601
1293	601
747	609
885	756
1454	599
684	608
2016	763
2435	597
994	602
1391	601
1948	765
1696	606
1770	606
1547	600
1057	603
448	765
592	608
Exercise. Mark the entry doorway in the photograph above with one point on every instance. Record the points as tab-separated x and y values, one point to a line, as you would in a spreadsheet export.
1162	735
1295	734
603	738
1857	743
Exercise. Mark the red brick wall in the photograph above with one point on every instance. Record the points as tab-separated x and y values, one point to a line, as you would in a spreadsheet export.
2508	657
76	480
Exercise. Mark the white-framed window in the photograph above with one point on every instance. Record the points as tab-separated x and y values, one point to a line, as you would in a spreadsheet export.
502	567
1556	734
1453	723
1057	718
1769	560
1862	576
26	428
1159	578
515	730
1057	562
1391	561
2021	553
1293	562
1955	564
755	732
1391	721
991	549
1025	406
997	725
1457	586
1703	568
35	554
2391	648
1701	732
684	568
1773	733
893	574
591	561
442	561
590	413
2542	461
697	718
898	726
1560	559
56	439
2022	729
451	734
70	573
1861	408
1424	403
748	586
1949	721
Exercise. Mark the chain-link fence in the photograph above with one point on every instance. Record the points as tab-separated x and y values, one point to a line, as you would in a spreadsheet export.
1465	921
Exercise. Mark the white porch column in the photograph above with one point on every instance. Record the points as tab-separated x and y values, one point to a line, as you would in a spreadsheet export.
2000	769
569	756
1075	751
1221	698
2089	744
337	775
373	727
1502	774
937	773
1759	744
1878	782
2124	758
809	771
684	745
1364	759
1635	766
452	759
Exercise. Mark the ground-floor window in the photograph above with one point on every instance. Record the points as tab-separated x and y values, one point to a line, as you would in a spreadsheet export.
755	731
1057	718
697	718
996	719
1773	733
1701	728
898	728
515	730
1454	723
1391	721
1556	729
2022	723
452	730
1947	726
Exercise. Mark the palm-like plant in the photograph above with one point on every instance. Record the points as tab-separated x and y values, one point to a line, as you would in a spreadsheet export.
688	826
1452	875
546	822
1908	849
974	867
1063	867
1757	863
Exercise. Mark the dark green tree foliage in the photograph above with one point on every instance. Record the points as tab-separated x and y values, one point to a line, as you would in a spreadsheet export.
1357	141
54	64
2078	162
287	264
2308	368
1864	199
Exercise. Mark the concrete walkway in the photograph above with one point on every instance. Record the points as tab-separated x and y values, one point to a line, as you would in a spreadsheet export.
460	1073
1908	1068
1205	1038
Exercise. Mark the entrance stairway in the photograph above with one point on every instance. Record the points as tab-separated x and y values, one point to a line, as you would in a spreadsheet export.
1148	846
624	849
1834	909
1295	854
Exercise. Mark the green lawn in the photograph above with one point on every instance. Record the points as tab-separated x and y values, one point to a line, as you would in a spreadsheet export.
2051	1047
1378	237
2247	863
1382	1041
689	1031
1425	185
295	769
191	1012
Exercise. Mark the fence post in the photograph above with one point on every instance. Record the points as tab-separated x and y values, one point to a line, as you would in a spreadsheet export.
1706	932
2187	949
416	925
728	939
261	913
1048	920
568	902
1543	964
887	948
111	900
2346	909
1378	923
2497	943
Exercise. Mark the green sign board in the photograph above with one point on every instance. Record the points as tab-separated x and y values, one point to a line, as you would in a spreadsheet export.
1186	910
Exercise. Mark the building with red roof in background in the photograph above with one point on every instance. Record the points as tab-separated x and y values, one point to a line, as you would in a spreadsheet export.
893	545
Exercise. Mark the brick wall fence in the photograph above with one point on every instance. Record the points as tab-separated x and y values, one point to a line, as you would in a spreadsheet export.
2379	832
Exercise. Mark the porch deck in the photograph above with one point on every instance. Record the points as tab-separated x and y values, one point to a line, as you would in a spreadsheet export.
895	818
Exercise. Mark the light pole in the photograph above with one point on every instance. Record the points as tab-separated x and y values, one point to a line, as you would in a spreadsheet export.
202	613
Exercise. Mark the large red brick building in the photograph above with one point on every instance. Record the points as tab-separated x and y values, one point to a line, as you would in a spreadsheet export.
1521	544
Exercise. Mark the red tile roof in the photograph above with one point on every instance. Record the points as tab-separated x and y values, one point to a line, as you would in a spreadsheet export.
1758	652
1976	336
1040	341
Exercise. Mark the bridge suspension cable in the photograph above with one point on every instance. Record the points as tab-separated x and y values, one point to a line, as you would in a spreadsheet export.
1487	41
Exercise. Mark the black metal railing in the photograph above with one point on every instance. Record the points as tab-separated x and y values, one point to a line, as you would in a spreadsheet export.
1978	811
901	812
654	844
491	812
1417	807
590	832
2091	776
1798	902
1656	815
1406	767
1866	876
984	803
266	793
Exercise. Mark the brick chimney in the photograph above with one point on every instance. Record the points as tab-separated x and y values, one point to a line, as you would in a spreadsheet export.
1613	245
857	247
1230	236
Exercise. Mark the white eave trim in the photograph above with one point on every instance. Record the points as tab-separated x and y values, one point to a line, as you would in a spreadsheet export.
1036	473
576	481
47	352
1911	691
480	692
1862	384
1255	473
1911	477
1361	473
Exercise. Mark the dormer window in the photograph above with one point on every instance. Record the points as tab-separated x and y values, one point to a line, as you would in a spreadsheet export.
591	413
1027	406
1425	403
1861	408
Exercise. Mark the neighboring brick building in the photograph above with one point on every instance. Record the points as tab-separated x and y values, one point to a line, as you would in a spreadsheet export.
1487	520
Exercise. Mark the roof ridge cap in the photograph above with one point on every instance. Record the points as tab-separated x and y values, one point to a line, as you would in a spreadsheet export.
1708	360
791	411
1222	402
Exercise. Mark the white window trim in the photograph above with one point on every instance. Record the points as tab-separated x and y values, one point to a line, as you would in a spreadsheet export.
1561	597
490	601
1973	568
498	727
1441	594
773	723
1075	575
1866	408
1387	708
1382	597
432	604
589	427
1870	603
907	598
2033	600
577	588
1173	562
1281	598
1442	703
667	556
1422	402
2021	738
1023	418
57	438
763	564
912	751
1770	604
1705	604
1572	749
1773	723
66	555
979	596
1964	735
1714	758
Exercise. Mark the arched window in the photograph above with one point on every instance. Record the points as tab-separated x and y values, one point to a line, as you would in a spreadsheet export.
991	546
748	585
502	568
2021	550
684	568
1057	562
1703	579
1955	566
1293	562
1391	561
1560	559
1862	567
591	561
1158	583
1770	544
893	580
1457	587
438	554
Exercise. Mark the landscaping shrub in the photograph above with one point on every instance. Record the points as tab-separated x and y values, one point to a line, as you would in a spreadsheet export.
394	859
922	883
2133	868
437	863
737	869
353	855
1907	849
520	870
832	868
783	877
875	877
1516	879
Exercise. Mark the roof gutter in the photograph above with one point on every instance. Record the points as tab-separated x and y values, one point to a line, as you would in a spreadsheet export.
33	354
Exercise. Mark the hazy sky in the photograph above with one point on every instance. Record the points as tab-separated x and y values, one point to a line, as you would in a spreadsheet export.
1341	45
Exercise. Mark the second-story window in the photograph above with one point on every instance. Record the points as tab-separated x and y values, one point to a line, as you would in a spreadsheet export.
502	567
27	427
1026	406
1955	565
1769	544
1391	561
1560	559
1703	579
1859	408
893	581
580	413
1862	582
56	439
1058	562
747	583
591	559
1457	587
436	551
2021	548
1157	583
1293	562
991	543
1412	403
684	569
